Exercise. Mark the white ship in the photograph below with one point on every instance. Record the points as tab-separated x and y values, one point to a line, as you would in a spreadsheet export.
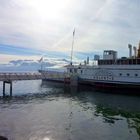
109	72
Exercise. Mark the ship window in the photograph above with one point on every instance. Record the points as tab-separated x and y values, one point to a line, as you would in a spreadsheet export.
81	71
70	70
136	74
120	74
138	61
134	61
128	74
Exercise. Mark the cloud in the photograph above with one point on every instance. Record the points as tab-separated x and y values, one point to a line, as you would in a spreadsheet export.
48	26
32	65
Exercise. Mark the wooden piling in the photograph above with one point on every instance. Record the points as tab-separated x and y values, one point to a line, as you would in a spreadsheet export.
3	88
10	88
74	80
8	82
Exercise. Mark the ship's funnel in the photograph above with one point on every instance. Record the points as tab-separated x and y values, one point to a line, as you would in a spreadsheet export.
87	60
138	51
130	50
135	51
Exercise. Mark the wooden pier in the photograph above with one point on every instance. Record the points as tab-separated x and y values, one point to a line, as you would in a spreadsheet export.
8	78
20	76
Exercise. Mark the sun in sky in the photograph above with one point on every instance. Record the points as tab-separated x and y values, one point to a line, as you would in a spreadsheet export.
48	8
47	25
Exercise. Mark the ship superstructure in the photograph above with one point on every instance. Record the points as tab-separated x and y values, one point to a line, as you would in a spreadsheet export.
108	72
111	71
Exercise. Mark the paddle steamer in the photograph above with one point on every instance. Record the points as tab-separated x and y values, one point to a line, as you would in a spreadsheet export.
108	72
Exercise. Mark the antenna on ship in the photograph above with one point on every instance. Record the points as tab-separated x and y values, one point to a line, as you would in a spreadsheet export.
72	46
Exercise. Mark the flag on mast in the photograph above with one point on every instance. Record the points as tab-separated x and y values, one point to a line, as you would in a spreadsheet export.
41	59
72	45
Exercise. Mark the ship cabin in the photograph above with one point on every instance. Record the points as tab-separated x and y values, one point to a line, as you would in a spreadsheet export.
121	61
110	58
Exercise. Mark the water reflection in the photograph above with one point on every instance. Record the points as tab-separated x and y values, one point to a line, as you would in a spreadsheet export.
57	112
111	116
111	107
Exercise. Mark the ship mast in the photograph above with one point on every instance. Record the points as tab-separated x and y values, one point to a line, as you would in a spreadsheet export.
72	45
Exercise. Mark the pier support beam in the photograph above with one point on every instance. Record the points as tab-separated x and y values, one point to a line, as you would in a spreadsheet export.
74	80
3	88
10	88
8	82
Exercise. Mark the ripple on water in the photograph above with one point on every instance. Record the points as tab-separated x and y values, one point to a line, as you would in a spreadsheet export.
50	113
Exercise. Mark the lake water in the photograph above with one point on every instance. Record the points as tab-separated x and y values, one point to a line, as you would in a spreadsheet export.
47	111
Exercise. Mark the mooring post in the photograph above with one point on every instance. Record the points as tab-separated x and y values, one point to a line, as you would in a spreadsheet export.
74	80
3	88
11	88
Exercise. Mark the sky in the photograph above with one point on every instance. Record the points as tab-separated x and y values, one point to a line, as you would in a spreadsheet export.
34	28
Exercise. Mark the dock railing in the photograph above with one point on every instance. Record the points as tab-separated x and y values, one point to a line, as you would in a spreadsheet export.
20	76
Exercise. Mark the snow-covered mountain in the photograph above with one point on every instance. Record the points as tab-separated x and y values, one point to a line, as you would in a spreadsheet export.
49	61
32	65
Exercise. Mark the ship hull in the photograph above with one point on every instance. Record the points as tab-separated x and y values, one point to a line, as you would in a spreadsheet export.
106	78
117	87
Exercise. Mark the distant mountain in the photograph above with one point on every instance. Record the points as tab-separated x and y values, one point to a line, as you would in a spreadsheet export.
31	65
51	60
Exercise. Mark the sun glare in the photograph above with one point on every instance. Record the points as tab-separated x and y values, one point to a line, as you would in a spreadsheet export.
49	8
